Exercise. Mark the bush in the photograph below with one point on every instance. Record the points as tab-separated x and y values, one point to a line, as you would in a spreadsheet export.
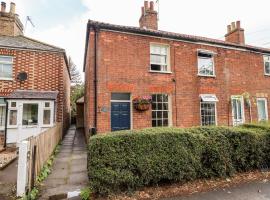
127	160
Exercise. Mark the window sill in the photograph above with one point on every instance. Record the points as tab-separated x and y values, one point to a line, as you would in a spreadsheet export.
30	126
159	72
267	75
6	79
207	76
47	126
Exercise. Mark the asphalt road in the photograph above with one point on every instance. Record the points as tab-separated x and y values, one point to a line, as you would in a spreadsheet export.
250	191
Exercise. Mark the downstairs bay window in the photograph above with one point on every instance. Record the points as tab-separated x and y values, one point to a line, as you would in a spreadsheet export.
208	110
30	113
2	114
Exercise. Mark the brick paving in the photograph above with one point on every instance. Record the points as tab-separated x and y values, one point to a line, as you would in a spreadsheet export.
69	172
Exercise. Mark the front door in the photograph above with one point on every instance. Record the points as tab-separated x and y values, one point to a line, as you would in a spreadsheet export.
120	116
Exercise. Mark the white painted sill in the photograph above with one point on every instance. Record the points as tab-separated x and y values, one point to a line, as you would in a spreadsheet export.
207	76
159	72
6	79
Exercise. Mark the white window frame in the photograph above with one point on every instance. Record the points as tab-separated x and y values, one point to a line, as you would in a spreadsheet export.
209	98
266	108
213	60
168	64
3	127
11	109
235	121
51	108
8	63
265	57
170	124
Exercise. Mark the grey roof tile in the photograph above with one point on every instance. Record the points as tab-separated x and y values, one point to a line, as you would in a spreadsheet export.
33	94
23	42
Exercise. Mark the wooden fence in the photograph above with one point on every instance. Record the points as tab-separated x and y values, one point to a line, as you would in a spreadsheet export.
41	147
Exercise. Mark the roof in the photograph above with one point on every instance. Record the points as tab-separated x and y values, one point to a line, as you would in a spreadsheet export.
165	34
33	94
80	100
23	42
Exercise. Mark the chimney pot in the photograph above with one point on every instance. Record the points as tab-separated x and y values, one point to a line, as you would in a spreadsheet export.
233	26
146	5
3	6
229	28
238	25
151	5
12	7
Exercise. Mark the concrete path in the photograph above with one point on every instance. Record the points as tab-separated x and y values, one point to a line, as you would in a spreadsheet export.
250	191
8	179
69	172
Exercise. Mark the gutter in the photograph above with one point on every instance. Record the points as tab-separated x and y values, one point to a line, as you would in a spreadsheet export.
95	74
6	121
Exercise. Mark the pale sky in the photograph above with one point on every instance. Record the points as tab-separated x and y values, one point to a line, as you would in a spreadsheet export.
63	22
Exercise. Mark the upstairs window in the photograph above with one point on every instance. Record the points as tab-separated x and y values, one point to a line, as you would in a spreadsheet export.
267	65
159	58
6	63
205	64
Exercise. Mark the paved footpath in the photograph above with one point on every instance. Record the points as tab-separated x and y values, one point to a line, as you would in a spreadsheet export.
249	191
69	172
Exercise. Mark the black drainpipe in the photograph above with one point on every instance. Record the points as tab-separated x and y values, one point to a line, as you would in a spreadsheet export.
6	121
95	77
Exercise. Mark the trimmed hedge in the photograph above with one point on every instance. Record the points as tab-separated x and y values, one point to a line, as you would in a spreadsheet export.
127	160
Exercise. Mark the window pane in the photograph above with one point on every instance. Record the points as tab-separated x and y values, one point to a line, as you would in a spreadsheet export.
208	113
206	66
155	67
267	67
160	111
2	115
13	117
13	104
30	114
47	104
47	117
262	110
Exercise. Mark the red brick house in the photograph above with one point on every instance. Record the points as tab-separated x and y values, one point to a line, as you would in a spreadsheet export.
192	80
34	82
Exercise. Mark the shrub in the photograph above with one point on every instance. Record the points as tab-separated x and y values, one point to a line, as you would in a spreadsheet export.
127	160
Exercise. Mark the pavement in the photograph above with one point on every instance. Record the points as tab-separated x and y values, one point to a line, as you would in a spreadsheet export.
249	191
8	179
69	171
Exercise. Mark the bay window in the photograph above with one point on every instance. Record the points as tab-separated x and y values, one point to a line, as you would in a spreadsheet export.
13	111
47	113
2	114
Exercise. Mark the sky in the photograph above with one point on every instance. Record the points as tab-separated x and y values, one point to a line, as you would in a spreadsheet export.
63	22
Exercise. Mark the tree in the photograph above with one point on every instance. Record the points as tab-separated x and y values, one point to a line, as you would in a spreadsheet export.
74	73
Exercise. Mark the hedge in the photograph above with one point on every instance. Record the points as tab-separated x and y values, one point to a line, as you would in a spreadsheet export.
128	160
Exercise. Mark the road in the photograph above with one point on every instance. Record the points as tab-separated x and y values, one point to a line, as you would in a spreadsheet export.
249	191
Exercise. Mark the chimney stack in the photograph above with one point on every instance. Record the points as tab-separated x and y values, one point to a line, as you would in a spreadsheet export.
235	33
149	17
10	24
3	7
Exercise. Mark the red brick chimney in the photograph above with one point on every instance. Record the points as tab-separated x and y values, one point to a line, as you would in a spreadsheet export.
10	24
149	17
235	33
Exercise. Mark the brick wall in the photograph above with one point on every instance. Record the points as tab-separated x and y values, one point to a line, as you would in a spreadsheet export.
47	71
123	66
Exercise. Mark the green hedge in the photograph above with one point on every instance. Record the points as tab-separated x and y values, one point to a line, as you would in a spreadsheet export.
127	160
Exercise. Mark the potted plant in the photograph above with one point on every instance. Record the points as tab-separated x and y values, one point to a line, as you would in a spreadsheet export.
142	103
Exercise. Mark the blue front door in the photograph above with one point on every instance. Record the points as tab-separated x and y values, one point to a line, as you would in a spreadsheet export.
120	116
